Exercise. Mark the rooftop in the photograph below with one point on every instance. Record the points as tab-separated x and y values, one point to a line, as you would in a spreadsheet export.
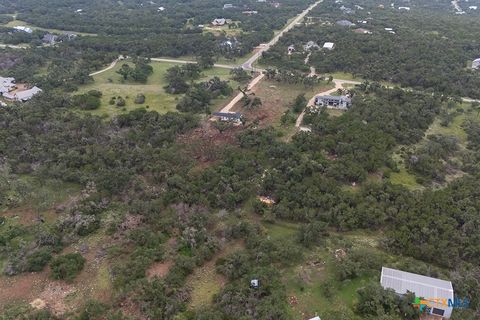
422	286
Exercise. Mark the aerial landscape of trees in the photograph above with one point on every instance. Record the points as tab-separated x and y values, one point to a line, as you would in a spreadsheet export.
124	213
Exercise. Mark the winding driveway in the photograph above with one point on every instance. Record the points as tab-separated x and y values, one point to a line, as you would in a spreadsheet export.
338	85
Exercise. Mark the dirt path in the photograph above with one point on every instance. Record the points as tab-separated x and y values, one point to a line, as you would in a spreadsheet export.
338	85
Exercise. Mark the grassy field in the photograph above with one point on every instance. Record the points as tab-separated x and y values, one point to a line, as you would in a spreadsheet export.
111	84
305	281
16	23
455	128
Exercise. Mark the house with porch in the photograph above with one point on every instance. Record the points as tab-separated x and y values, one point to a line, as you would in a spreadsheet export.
334	102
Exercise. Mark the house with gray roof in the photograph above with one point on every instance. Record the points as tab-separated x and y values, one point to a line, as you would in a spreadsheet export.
435	294
345	23
311	46
334	102
22	95
50	38
6	85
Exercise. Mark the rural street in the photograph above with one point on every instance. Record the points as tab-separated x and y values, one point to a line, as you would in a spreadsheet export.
248	65
111	66
239	96
218	65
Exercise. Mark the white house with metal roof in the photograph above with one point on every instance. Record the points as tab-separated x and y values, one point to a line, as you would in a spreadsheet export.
426	288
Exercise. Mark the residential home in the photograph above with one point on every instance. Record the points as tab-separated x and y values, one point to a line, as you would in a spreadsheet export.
362	31
6	85
219	22
50	38
311	46
227	6
334	102
249	12
345	23
234	117
473	7
23	29
404	8
22	95
433	296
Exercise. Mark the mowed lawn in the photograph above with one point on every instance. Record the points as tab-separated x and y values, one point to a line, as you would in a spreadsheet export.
111	84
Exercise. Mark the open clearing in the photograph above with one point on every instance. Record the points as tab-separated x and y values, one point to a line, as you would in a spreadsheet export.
277	98
16	23
111	84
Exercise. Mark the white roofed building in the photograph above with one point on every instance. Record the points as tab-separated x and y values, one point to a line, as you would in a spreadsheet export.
424	287
329	45
476	64
23	28
219	22
22	95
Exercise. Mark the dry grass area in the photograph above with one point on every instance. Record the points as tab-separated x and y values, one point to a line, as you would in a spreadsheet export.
61	297
205	282
276	99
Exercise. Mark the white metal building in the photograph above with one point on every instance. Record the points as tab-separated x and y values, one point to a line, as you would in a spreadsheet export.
424	287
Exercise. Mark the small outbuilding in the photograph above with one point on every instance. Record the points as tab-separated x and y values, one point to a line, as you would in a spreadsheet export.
476	64
329	45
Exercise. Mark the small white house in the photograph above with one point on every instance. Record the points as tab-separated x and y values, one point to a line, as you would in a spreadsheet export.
329	45
404	8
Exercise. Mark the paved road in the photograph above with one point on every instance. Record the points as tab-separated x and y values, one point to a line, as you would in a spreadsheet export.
248	65
338	85
239	96
111	66
12	46
218	65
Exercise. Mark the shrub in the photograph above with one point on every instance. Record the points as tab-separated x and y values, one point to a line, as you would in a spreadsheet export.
140	99
121	102
68	266
38	260
95	93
